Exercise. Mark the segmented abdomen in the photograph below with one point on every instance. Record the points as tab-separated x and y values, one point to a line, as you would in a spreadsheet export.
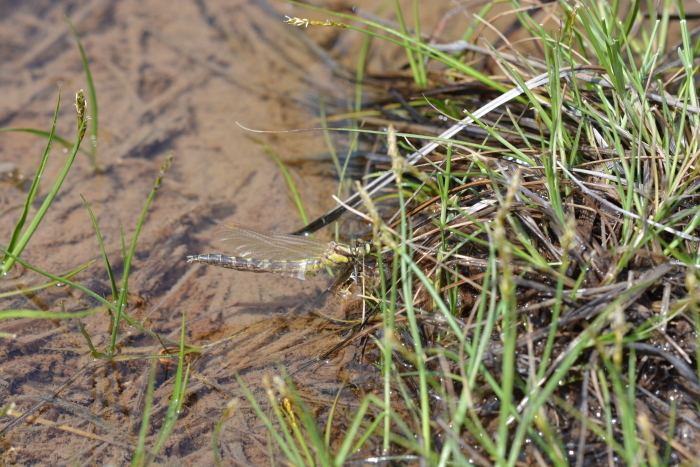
298	268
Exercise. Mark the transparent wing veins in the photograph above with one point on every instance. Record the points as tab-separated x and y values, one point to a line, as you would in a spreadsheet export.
245	242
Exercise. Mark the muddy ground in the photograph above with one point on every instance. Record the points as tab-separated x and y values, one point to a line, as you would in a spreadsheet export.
191	78
170	76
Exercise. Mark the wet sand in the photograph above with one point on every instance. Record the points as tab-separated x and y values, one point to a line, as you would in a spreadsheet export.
170	76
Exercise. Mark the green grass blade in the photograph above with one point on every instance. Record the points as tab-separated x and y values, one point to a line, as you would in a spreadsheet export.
44	134
88	339
89	292
286	443
93	100
310	426
344	451
420	63
58	278
329	142
22	242
110	273
177	398
140	451
288	178
414	61
35	314
47	284
35	186
122	300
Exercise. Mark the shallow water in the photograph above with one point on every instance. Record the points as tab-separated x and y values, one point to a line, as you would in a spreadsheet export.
170	76
185	77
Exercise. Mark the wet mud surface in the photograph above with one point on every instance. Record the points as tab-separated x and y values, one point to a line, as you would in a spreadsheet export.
186	77
169	76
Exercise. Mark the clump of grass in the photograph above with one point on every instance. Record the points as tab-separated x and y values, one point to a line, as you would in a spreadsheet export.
535	295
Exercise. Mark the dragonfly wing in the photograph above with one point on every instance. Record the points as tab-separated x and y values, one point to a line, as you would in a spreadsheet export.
299	271
251	243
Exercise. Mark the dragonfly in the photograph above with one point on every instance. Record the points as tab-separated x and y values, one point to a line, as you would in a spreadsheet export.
290	255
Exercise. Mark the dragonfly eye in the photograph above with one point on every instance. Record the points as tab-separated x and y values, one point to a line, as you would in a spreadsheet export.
361	248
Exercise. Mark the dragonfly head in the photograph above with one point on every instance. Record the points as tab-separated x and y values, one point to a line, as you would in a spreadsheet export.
360	248
345	253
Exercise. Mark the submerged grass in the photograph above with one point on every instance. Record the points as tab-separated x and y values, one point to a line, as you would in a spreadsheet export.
116	308
19	240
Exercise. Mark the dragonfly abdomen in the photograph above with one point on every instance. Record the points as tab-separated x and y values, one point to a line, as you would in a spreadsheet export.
297	268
